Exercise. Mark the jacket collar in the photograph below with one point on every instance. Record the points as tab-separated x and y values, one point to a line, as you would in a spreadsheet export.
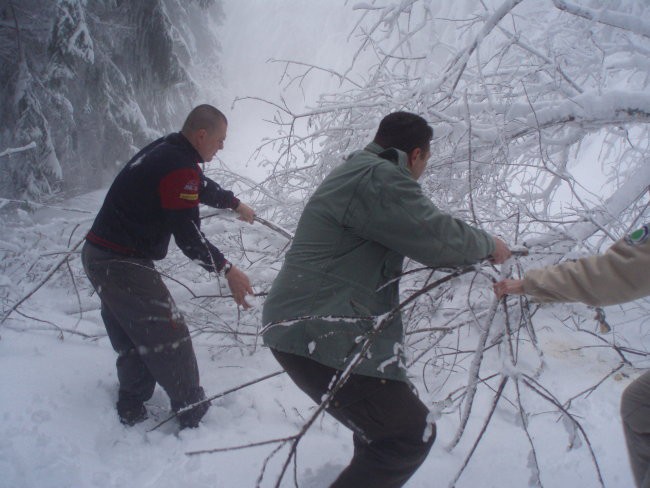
391	154
178	139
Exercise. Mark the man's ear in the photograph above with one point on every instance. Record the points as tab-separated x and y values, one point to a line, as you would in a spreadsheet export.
414	155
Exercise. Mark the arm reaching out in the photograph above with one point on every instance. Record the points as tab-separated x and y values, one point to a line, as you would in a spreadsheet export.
617	276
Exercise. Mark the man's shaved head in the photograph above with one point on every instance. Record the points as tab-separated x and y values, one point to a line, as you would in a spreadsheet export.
203	117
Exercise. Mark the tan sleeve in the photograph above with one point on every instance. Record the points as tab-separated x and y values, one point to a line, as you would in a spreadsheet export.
619	275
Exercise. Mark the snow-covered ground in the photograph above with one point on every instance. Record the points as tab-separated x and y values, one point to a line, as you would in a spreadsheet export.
58	426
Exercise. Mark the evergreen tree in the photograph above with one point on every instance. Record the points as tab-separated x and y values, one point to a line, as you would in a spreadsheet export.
91	82
30	174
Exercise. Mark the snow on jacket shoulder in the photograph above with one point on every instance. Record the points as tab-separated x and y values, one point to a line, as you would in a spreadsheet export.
157	195
619	275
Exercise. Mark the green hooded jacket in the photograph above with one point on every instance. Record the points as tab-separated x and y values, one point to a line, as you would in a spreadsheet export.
339	274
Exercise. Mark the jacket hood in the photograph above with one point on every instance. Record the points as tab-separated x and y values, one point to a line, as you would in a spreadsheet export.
397	156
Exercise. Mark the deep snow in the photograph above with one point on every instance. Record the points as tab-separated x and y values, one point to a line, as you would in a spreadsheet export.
58	426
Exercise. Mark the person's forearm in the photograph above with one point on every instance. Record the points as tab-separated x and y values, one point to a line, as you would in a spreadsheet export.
212	195
194	244
617	276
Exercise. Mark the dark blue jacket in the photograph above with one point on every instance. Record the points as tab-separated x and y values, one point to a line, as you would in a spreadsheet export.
157	195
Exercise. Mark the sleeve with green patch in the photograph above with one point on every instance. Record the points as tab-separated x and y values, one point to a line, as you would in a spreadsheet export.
619	275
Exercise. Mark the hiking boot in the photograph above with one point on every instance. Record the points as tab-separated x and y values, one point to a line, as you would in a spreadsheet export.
131	413
193	416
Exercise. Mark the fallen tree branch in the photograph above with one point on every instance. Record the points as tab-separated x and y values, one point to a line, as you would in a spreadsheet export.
495	402
214	397
61	262
535	386
474	375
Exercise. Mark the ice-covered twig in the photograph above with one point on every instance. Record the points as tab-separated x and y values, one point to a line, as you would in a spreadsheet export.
44	280
214	397
495	402
631	23
535	386
474	374
274	227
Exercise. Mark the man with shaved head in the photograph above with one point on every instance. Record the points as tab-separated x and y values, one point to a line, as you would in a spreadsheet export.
157	195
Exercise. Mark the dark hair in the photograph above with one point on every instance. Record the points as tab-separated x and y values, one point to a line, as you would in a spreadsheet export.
203	117
404	131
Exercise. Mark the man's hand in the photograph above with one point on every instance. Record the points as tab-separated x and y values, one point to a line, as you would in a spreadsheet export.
508	287
501	251
240	286
246	213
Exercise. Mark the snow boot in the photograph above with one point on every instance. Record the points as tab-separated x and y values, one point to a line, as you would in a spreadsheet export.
130	412
193	416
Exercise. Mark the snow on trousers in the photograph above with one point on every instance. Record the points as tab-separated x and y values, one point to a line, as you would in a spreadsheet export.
635	410
388	420
145	329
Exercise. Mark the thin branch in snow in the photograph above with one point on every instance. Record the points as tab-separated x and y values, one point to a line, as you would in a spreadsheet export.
472	382
214	397
495	402
535	386
45	279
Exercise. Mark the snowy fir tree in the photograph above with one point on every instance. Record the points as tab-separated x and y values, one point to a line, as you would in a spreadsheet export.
90	82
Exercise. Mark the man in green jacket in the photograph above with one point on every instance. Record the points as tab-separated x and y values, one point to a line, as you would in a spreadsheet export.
342	273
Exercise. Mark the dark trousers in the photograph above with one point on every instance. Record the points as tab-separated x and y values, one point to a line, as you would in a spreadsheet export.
389	423
635	410
145	329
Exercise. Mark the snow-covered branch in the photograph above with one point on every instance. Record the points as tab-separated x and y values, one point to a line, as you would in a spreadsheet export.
14	150
528	104
605	16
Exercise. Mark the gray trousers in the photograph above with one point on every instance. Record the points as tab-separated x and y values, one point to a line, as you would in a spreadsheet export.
388	421
635	411
145	329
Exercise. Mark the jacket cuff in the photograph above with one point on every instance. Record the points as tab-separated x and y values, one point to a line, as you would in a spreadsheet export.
222	265
532	288
491	244
528	286
226	268
235	202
